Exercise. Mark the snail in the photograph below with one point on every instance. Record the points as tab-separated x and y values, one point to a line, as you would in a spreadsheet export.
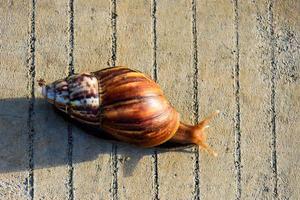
126	104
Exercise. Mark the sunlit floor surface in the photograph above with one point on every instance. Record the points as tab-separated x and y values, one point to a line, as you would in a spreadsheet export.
240	57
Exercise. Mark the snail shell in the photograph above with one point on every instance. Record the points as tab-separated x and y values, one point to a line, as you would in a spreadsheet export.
126	104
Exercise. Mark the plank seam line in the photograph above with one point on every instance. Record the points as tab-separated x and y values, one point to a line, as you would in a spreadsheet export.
114	32
195	97
155	176
71	37
30	86
114	151
237	118
154	41
273	98
114	167
70	183
155	77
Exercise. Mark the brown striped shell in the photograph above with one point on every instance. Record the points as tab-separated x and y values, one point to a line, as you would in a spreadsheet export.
123	102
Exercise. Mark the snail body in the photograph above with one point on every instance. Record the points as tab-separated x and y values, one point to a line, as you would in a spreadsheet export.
126	104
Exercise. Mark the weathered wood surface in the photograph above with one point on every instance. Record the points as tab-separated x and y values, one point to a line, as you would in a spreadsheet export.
16	103
216	90
92	173
241	57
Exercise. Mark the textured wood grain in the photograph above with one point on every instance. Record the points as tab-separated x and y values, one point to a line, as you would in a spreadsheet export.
14	118
217	90
92	44
286	64
51	141
255	73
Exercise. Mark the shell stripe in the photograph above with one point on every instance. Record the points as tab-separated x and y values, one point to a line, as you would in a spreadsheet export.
109	74
129	90
131	100
153	139
123	77
156	122
136	131
134	112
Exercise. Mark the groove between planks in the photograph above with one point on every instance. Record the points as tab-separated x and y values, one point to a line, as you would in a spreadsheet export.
114	32
114	151
273	98
70	133
71	37
30	121
195	97
237	118
155	77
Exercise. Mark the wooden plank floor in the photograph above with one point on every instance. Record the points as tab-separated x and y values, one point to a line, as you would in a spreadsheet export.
241	57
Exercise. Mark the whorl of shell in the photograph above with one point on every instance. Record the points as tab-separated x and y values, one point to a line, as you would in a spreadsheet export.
123	102
77	96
